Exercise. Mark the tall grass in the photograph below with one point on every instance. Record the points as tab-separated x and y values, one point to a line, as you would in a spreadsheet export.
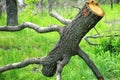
18	46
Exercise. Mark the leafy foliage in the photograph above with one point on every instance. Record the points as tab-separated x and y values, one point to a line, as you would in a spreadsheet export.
31	1
112	45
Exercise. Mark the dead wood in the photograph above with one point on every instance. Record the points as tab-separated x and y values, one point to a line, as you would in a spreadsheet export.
67	46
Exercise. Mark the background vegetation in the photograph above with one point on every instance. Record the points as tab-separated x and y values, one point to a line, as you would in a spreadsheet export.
18	46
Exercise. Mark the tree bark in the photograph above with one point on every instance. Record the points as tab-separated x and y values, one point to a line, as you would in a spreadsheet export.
1	6
0	11
90	63
12	14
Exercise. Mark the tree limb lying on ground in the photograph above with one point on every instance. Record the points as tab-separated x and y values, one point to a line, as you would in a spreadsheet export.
32	26
99	36
67	46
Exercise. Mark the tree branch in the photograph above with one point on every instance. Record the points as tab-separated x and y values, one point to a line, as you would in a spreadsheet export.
23	64
90	63
94	37
56	15
60	18
60	66
32	26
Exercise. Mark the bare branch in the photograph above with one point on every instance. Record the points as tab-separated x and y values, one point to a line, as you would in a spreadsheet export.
90	63
56	15
60	18
32	26
23	64
60	66
76	7
96	31
94	37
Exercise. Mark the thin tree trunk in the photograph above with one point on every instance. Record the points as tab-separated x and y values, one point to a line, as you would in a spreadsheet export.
116	1
1	5
111	2
12	12
0	11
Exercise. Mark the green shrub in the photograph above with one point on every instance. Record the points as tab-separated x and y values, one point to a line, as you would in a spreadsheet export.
112	45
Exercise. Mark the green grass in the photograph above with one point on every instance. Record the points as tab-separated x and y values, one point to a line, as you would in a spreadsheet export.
18	46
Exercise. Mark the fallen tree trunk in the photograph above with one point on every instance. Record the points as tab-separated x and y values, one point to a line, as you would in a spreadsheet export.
73	33
68	45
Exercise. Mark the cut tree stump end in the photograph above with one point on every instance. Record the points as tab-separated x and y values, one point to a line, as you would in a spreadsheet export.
95	8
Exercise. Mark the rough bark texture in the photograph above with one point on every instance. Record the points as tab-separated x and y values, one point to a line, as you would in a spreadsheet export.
12	15
71	37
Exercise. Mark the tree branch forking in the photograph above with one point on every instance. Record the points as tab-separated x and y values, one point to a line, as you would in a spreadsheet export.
86	38
32	26
60	66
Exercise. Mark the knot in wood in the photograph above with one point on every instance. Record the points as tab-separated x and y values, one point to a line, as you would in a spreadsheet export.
85	13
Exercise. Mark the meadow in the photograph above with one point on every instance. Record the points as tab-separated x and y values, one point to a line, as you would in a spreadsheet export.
18	46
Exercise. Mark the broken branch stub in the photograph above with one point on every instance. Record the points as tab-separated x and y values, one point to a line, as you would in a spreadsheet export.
72	34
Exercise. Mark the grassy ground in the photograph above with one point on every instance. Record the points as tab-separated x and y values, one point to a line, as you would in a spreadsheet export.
27	43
